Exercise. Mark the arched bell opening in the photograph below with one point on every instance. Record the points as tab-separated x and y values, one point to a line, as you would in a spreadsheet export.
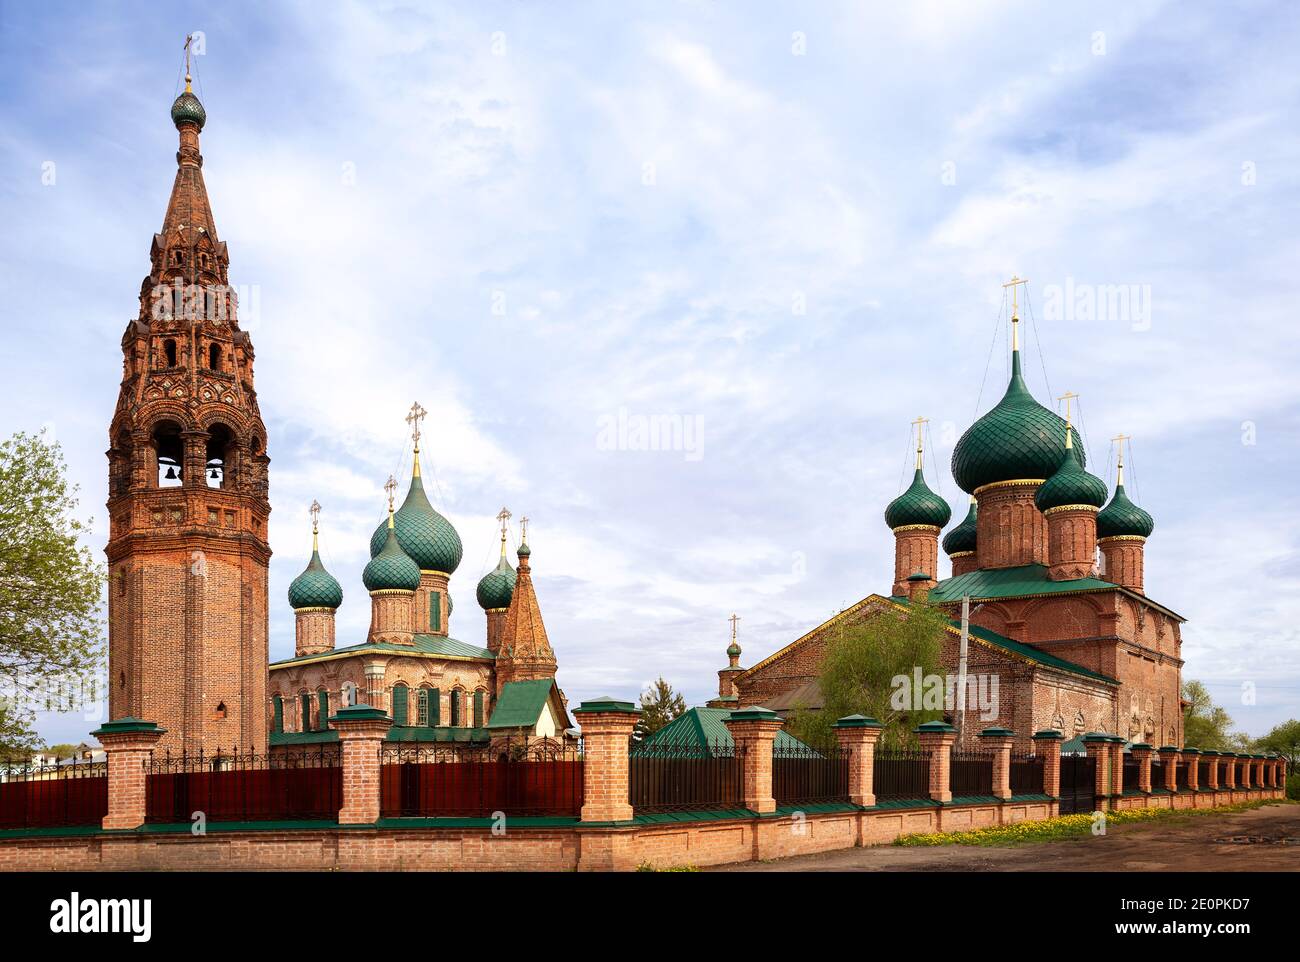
219	463
168	454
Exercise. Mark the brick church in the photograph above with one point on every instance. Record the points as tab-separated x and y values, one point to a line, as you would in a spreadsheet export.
188	554
1050	564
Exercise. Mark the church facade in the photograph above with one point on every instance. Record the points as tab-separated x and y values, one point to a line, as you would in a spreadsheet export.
188	554
1052	575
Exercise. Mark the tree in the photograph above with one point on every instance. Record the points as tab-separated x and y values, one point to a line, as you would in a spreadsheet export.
659	705
51	634
866	669
1285	740
61	751
1206	725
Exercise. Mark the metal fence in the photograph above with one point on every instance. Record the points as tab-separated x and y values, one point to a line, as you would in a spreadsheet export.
53	796
457	781
900	773
668	777
1157	773
1180	776
970	773
804	776
1132	773
1203	773
245	786
1027	774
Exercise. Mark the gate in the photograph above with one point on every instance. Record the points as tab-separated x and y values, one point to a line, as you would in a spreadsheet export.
1078	784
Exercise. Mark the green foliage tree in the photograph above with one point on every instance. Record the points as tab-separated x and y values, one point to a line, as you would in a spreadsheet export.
61	750
51	629
861	671
1206	725
659	705
1285	740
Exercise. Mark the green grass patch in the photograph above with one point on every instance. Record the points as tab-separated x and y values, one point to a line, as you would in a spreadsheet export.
650	867
1063	826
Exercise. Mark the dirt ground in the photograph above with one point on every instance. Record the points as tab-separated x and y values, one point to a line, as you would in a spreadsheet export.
1194	844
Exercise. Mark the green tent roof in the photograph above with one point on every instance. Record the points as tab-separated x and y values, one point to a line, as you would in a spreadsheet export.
521	703
424	645
703	727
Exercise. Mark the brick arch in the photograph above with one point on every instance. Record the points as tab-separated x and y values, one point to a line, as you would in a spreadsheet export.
1068	622
153	413
993	615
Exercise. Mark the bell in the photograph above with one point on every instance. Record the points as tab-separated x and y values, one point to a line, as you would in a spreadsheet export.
213	474
171	474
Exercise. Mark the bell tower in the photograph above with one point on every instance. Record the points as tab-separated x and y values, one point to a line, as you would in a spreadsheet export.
188	504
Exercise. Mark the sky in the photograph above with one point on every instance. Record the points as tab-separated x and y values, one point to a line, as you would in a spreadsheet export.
782	229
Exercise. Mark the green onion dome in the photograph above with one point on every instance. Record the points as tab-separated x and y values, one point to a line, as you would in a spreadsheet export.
391	569
1017	439
733	650
962	537
524	551
1070	484
496	588
1123	517
422	532
315	587
917	505
187	109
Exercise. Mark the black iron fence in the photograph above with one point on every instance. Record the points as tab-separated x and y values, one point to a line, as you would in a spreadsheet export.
900	773
1180	776
805	776
1157	773
668	777
457	781
245	786
970	773
1132	774
1203	773
1026	775
50	796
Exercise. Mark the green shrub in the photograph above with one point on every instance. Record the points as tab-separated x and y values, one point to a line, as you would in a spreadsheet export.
1293	786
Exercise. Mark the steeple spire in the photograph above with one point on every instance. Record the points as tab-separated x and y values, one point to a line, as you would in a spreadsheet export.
314	510
1119	439
1014	284
1067	397
920	423
416	415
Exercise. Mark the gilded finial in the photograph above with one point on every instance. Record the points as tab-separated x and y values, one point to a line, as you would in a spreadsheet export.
1067	397
503	516
919	422
1014	284
189	39
1119	469
390	486
314	510
733	619
523	530
416	415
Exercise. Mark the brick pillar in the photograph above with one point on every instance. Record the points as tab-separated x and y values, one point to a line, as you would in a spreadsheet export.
1192	758
754	731
361	730
1229	770
858	736
1169	754
1142	752
937	738
1116	766
128	743
1259	771
1098	746
606	731
1047	743
1212	771
999	741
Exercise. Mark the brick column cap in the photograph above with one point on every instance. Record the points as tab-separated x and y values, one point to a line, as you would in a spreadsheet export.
606	704
1048	734
997	733
753	713
857	721
128	726
1140	747
1168	750
1192	751
935	728
1101	737
359	713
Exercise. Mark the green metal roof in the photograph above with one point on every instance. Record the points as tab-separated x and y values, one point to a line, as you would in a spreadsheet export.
315	587
918	505
423	533
1070	484
1023	582
521	703
391	568
424	645
496	588
1123	517
704	727
963	537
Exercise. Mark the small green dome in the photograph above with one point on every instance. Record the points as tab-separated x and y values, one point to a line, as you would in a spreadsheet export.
733	650
524	551
917	505
962	537
1123	517
497	587
1070	484
422	532
1018	438
187	109
391	568
315	587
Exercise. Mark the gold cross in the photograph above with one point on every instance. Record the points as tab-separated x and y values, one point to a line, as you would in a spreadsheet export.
1014	284
1067	397
503	516
733	619
189	39
523	530
413	419
314	510
919	422
390	486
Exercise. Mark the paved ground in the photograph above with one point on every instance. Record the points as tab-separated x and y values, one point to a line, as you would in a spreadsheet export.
1192	844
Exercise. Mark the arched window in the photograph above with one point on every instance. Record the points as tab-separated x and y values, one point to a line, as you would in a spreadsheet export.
478	709
399	705
219	462
168	448
435	707
422	708
304	703
214	356
169	349
349	693
456	695
323	709
277	714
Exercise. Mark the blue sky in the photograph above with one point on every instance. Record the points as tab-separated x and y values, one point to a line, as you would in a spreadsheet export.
786	226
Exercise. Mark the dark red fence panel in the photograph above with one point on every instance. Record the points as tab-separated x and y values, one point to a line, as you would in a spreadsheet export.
805	776
672	777
455	782
245	787
1026	775
54	796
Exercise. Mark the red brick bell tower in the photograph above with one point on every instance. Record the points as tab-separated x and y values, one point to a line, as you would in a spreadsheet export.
187	550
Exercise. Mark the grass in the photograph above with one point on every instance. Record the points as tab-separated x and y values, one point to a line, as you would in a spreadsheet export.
650	867
1063	826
